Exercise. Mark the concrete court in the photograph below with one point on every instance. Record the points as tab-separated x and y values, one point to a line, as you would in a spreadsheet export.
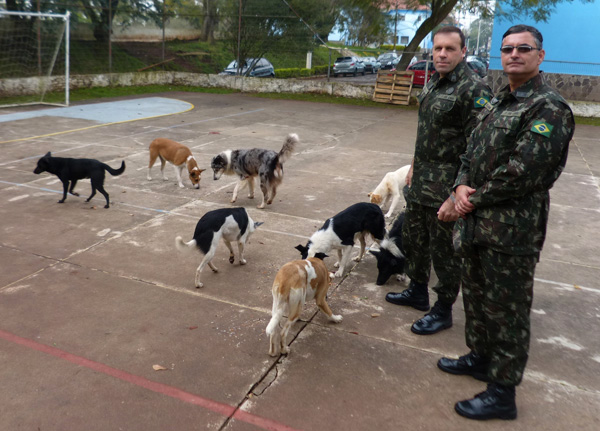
91	298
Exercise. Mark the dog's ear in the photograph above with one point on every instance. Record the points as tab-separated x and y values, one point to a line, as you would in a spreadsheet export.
48	154
258	223
201	170
303	250
321	256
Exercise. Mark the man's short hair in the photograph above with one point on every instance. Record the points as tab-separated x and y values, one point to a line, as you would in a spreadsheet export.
522	28
452	29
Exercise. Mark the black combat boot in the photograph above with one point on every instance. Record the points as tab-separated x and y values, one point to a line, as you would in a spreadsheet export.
438	319
470	364
497	402
415	296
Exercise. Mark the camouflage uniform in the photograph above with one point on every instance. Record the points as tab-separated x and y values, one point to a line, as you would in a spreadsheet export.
447	114
514	156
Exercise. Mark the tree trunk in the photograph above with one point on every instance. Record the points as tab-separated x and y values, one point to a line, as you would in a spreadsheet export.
211	20
439	11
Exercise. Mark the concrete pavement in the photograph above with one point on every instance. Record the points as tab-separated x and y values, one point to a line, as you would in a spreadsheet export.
92	299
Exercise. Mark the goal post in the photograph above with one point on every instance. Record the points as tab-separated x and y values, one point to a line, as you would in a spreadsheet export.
34	58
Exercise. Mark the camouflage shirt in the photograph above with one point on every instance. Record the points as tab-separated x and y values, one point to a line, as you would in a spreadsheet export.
448	113
514	156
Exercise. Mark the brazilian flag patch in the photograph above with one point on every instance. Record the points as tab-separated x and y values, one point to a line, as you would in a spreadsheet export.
542	128
480	102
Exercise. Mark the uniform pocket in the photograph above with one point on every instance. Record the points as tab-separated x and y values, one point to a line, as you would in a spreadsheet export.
495	227
506	125
444	103
432	183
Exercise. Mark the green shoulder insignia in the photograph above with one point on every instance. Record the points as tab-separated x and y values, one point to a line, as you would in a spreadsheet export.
480	102
542	128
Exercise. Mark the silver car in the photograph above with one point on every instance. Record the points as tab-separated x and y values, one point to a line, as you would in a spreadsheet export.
348	65
371	64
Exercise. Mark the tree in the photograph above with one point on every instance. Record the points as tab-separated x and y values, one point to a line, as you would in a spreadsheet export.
101	14
271	25
539	10
479	33
362	20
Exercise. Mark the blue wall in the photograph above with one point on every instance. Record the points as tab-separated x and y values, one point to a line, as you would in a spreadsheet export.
572	34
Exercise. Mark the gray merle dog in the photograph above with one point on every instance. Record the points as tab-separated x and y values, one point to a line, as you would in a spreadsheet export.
256	162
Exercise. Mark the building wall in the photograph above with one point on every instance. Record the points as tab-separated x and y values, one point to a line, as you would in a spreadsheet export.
570	38
580	88
408	27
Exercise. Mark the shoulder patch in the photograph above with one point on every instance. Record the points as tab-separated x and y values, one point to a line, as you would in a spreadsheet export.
542	128
480	102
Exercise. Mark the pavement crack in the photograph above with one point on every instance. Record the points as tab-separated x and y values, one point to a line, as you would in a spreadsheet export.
267	381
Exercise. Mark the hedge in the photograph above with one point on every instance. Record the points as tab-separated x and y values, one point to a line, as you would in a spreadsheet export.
295	72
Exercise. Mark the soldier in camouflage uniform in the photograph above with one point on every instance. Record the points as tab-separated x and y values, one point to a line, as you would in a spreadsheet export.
514	156
449	106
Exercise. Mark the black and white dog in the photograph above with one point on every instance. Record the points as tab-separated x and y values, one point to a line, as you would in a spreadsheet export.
257	162
341	230
390	256
231	224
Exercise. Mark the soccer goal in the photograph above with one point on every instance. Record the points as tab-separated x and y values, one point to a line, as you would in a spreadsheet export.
34	58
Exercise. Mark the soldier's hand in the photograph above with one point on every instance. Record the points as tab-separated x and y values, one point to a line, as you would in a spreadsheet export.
447	211
462	204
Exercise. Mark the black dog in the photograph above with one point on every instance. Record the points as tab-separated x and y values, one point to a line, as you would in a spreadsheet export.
390	256
341	230
67	169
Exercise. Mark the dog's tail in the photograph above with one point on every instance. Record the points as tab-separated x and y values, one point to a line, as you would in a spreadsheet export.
184	246
288	147
277	312
115	172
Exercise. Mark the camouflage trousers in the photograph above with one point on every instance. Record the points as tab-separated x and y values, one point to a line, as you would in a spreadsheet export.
428	240
497	295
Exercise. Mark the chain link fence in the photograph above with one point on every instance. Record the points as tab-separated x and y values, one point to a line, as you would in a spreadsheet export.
182	38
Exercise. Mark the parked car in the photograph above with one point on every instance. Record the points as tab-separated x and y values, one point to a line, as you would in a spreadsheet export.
371	64
348	65
262	68
419	69
389	60
477	64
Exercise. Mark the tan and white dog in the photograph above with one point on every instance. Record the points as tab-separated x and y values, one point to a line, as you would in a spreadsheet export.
179	156
295	283
390	188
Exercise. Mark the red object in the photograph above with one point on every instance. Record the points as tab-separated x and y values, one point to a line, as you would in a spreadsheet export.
419	70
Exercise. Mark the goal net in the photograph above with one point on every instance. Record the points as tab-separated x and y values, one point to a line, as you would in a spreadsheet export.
34	58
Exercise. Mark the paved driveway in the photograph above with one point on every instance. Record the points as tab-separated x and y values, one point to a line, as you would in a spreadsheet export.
91	300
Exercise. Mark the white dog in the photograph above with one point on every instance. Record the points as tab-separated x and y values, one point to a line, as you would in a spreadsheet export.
390	188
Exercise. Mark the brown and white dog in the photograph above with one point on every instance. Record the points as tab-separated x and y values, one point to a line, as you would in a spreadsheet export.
295	283
178	155
390	187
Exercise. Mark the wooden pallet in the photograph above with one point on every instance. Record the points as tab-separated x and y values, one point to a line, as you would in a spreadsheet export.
393	87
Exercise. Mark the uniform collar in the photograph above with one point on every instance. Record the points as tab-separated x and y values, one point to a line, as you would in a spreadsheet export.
525	91
450	79
454	76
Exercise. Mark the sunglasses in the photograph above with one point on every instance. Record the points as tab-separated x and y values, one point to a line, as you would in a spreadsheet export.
521	49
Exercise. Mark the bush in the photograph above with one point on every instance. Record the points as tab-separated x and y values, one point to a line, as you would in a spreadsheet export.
295	72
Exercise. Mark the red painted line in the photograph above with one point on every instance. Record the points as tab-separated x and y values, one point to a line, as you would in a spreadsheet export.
160	388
